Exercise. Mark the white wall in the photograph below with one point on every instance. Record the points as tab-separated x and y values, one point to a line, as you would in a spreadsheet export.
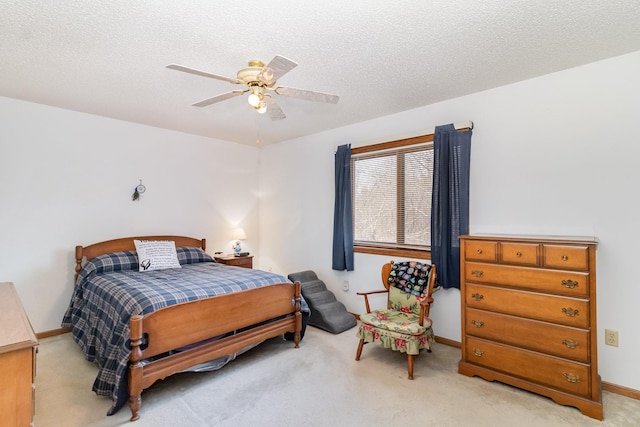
66	179
552	155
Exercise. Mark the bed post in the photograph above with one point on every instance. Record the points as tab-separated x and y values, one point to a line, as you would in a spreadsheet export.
78	262
296	336
135	370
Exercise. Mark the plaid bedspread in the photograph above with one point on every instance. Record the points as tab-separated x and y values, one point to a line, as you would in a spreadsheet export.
104	301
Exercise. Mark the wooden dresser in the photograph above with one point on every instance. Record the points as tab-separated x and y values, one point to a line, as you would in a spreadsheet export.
18	345
529	316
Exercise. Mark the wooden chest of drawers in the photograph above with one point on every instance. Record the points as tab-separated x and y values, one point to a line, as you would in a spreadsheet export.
18	346
529	316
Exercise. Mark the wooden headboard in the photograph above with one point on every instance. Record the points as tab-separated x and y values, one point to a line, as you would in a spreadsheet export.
126	244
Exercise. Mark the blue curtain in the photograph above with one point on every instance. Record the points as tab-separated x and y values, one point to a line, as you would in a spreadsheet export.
450	201
342	217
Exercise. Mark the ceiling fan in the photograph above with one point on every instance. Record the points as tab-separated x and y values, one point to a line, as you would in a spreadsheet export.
260	79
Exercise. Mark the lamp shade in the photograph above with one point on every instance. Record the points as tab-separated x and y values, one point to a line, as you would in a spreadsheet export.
239	234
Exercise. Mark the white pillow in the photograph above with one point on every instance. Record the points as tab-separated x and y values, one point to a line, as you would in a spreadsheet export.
156	254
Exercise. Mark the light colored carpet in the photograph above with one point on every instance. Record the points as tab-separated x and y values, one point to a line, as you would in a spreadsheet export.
319	384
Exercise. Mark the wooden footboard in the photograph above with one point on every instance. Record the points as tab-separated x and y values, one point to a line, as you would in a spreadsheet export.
184	324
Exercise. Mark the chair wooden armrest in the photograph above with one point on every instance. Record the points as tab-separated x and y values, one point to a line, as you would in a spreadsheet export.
366	295
427	301
382	291
425	305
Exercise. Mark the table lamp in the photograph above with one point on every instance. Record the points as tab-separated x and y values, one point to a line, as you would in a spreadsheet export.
238	234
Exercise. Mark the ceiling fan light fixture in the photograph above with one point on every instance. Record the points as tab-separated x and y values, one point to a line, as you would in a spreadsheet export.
262	108
254	100
257	95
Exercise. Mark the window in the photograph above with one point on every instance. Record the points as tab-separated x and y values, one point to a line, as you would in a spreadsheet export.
391	192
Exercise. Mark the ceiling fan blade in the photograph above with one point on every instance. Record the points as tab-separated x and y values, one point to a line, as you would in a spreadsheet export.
202	73
273	109
307	95
275	69
218	98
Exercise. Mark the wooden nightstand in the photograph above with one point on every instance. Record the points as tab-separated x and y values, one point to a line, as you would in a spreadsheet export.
237	261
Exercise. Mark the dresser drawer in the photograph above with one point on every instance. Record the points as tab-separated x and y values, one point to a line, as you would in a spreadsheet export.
571	283
519	253
551	308
558	373
549	338
481	251
236	261
568	257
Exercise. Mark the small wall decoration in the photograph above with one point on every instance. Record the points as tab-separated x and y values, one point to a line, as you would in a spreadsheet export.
138	191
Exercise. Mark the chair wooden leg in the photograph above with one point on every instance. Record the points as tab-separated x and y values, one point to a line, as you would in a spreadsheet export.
410	363
360	345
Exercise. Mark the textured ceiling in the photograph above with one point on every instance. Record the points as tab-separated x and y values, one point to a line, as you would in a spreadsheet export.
381	57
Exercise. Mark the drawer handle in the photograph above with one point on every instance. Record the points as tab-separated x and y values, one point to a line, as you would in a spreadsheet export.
572	378
569	284
477	297
565	258
477	323
477	273
570	343
478	352
518	254
570	312
479	251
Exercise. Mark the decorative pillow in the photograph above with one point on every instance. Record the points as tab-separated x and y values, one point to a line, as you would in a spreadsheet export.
157	254
410	276
192	255
114	261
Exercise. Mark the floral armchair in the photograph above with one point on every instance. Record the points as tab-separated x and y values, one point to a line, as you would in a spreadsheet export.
404	326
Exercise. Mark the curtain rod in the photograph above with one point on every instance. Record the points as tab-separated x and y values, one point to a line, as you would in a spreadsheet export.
428	131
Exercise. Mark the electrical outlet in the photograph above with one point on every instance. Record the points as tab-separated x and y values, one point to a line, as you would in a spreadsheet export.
345	286
611	337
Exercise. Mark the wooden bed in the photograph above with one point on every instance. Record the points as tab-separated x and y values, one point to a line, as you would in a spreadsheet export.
246	318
